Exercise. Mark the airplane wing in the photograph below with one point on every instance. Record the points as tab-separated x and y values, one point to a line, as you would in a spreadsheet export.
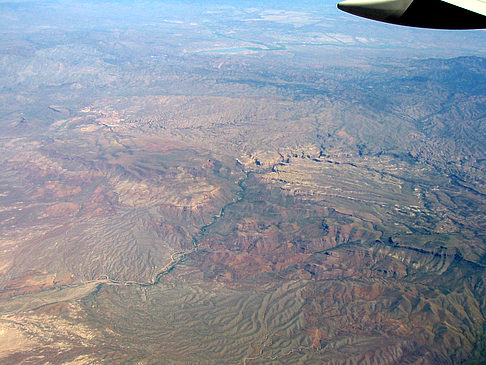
439	14
476	6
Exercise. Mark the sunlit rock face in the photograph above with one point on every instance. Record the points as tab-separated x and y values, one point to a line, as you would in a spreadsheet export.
238	183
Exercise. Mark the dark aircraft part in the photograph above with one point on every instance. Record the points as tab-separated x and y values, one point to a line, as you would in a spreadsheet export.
436	14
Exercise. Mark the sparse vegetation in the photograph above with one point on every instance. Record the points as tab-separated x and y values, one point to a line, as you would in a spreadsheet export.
183	193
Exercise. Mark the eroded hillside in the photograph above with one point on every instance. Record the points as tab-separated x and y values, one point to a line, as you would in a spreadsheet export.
200	205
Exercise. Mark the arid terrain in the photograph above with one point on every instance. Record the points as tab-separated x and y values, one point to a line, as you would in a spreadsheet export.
232	185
